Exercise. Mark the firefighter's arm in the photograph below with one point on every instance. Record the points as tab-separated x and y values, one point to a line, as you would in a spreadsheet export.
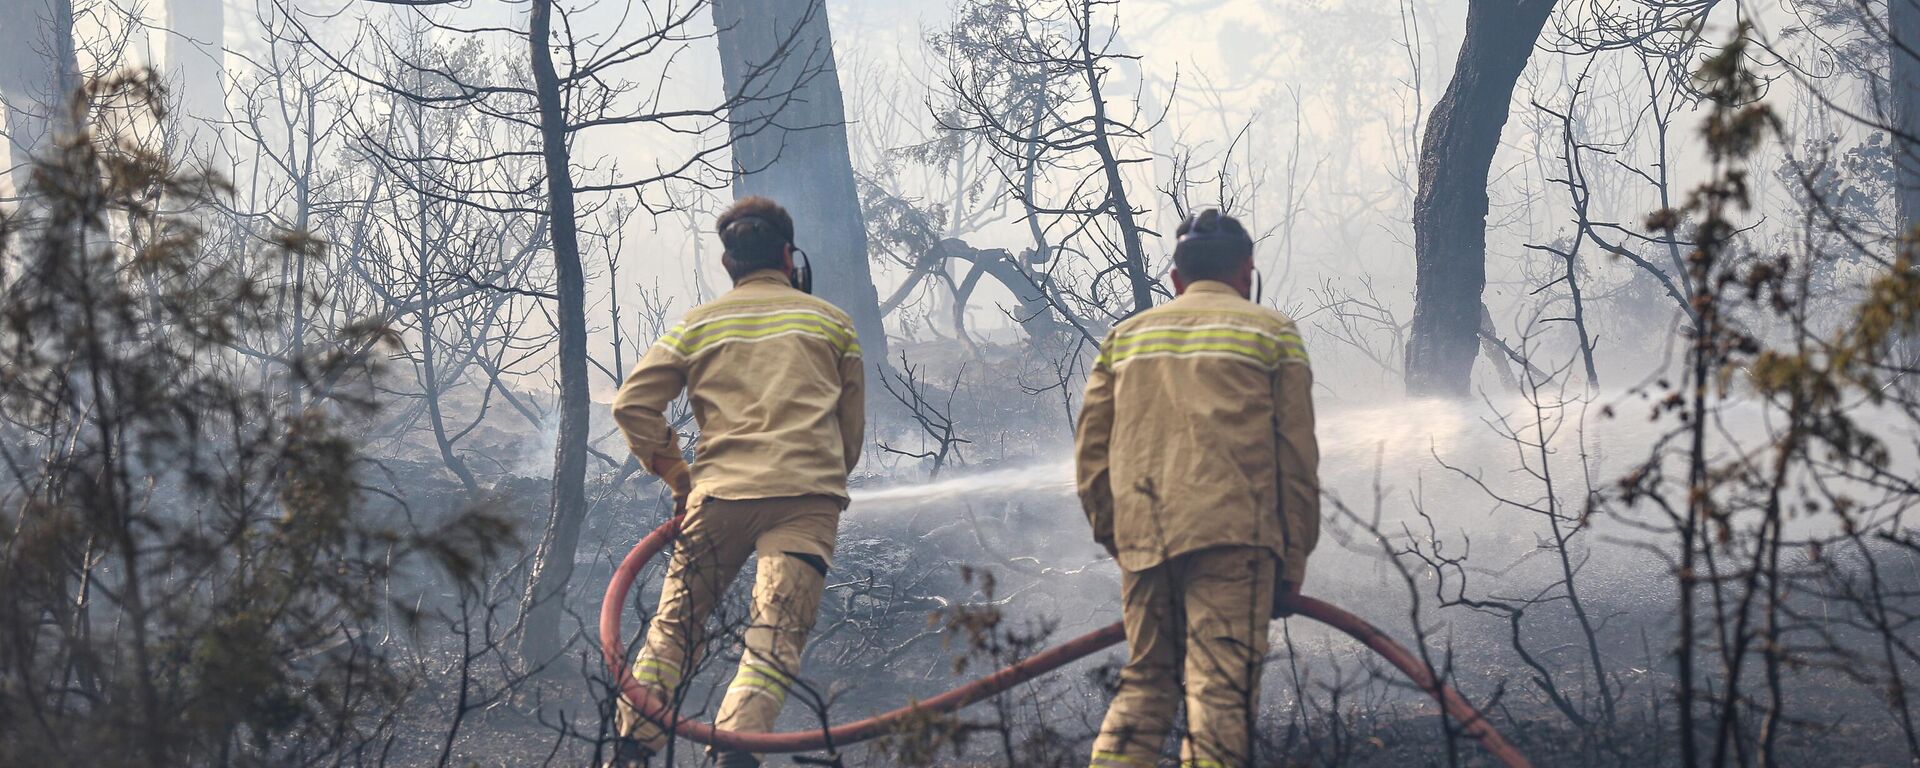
853	403
1091	442
640	410
1299	465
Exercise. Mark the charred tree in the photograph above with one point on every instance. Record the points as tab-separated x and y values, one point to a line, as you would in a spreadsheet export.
553	561
900	226
1092	66
1903	29
770	47
1903	92
1031	80
576	81
1450	209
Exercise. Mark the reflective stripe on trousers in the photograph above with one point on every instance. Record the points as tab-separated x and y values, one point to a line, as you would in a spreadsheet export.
716	541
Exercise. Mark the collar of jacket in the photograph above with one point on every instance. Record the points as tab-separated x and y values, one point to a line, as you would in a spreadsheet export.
759	276
1212	286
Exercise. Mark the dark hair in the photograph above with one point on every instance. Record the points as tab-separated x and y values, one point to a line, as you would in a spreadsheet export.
1211	246
755	232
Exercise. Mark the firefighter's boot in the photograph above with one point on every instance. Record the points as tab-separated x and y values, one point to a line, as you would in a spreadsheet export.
629	753
736	760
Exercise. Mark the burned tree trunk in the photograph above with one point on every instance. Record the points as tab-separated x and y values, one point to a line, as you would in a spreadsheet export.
1903	52
1033	313
790	143
38	73
553	560
1903	91
1450	210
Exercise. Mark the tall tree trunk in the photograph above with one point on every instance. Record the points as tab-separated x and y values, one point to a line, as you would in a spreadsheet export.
38	73
1450	210
1903	52
553	560
1903	80
196	64
790	144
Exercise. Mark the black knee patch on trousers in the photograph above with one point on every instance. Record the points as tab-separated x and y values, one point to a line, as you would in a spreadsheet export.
737	759
817	562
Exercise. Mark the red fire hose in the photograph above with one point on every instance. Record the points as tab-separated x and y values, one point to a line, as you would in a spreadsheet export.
1027	669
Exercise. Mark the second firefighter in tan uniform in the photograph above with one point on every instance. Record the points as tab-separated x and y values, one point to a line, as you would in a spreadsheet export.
1197	467
774	379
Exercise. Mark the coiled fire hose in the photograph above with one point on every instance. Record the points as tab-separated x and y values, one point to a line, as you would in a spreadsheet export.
1006	678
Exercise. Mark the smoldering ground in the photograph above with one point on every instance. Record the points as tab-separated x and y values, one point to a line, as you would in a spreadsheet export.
1438	477
1447	479
504	202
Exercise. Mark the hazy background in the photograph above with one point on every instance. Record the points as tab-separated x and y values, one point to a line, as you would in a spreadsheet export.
1460	525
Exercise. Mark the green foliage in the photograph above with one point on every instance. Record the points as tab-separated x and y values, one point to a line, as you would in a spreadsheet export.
186	563
1741	567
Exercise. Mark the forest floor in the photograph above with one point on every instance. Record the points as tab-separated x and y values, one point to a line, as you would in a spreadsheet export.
879	643
912	552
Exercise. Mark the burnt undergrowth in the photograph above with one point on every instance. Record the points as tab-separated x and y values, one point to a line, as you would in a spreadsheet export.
206	563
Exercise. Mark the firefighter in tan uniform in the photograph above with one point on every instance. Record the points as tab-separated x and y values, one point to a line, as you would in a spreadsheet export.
1197	467
775	381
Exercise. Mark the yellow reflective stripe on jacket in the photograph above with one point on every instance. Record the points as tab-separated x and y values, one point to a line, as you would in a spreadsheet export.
723	322
1292	349
1200	762
688	340
1192	347
1237	332
1103	759
1264	347
807	327
684	338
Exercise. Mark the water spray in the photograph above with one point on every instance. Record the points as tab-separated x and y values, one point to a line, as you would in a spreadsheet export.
832	738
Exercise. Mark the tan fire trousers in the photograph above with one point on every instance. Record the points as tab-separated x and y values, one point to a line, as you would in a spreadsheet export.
1195	623
715	541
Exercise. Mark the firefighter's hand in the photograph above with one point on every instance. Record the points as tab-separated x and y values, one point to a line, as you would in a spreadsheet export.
674	472
1284	595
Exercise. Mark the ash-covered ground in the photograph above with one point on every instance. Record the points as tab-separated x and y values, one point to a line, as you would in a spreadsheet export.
1434	531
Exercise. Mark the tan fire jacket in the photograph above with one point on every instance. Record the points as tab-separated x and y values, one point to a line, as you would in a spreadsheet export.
776	384
1197	432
